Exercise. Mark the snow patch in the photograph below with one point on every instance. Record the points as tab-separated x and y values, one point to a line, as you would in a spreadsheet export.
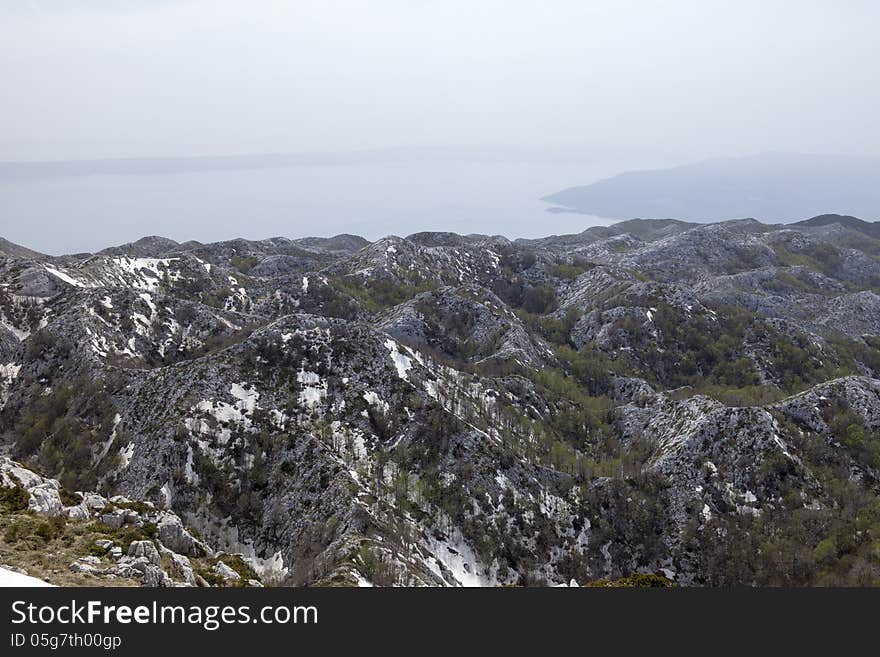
8	374
401	362
147	272
247	399
149	301
10	578
269	569
313	388
373	400
70	280
125	455
17	332
363	582
458	559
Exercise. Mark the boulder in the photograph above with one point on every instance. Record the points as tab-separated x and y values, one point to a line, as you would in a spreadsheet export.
78	512
93	501
45	499
183	568
173	535
115	519
226	572
156	577
146	550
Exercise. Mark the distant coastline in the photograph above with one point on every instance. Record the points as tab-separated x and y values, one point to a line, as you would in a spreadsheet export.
776	187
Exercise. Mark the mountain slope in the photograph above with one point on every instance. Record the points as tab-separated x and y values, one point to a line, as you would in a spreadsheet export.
466	410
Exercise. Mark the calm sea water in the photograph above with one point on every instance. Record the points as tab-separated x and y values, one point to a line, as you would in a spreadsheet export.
64	215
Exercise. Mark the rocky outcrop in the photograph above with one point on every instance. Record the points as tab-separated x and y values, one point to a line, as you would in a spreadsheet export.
143	560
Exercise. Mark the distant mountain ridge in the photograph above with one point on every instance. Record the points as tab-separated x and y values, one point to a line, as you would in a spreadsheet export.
854	223
8	248
647	230
770	187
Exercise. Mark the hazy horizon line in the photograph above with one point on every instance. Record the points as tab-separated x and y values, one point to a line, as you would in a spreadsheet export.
610	222
173	164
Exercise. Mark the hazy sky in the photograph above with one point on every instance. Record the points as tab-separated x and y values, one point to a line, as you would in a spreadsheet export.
104	78
556	92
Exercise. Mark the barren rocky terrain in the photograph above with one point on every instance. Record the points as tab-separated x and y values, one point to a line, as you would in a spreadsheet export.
699	402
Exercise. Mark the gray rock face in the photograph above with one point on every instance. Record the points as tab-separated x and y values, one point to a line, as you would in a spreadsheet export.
45	499
456	410
175	537
145	549
42	493
226	572
183	568
155	577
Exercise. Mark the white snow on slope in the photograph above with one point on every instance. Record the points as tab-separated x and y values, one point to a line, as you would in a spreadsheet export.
226	414
362	581
8	373
458	559
247	399
64	277
401	362
147	271
125	455
206	265
373	400
147	299
17	332
314	389
10	578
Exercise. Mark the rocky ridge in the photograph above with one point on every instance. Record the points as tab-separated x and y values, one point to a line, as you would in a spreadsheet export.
465	410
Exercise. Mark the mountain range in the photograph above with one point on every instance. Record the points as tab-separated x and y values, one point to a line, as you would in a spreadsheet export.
649	403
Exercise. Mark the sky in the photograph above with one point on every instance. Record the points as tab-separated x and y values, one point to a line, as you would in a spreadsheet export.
105	78
557	80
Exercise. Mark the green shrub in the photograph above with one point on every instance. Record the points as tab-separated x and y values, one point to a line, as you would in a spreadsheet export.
125	536
138	507
377	294
51	529
13	498
244	265
68	498
540	300
636	580
569	271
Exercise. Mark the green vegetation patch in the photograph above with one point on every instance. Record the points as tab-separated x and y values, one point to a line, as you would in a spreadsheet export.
243	264
377	294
